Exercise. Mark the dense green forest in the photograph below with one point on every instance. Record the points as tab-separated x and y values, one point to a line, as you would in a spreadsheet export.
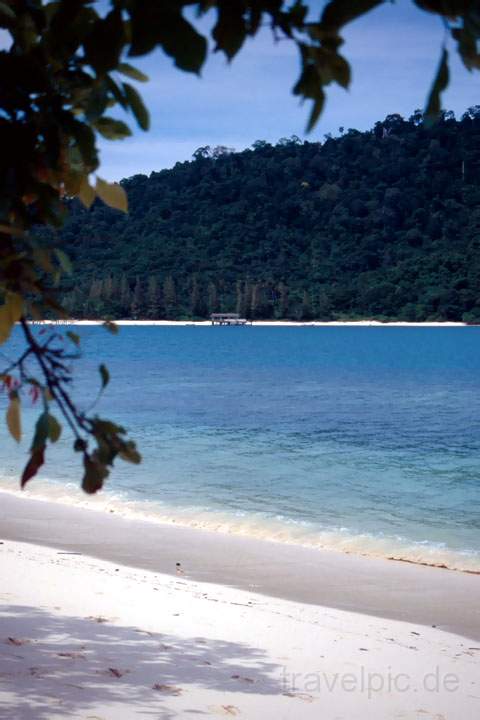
382	224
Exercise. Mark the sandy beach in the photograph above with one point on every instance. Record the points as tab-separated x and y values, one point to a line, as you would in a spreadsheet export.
97	622
256	323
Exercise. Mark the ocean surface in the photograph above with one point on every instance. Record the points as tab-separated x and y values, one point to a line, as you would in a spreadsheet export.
361	439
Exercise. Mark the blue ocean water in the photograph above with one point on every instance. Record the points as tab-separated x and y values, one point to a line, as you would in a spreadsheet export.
364	439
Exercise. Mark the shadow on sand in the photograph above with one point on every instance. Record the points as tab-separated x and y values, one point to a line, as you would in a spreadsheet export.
54	666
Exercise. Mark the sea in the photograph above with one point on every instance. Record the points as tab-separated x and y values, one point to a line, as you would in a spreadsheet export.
356	439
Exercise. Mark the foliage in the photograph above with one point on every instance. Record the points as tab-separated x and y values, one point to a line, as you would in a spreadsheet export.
382	224
62	76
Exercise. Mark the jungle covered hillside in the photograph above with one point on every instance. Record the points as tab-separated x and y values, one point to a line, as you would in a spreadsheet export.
381	224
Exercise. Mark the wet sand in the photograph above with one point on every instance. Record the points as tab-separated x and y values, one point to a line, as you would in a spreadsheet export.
429	596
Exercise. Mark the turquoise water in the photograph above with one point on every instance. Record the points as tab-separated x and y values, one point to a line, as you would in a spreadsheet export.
365	439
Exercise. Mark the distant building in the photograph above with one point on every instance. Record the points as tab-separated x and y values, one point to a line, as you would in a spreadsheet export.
227	319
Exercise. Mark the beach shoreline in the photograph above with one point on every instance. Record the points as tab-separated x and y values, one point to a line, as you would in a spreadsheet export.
255	323
379	587
82	637
253	526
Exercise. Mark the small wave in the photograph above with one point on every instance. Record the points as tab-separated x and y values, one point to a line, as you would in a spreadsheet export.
254	525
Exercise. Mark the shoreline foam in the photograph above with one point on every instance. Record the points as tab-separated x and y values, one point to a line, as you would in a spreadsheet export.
265	529
375	586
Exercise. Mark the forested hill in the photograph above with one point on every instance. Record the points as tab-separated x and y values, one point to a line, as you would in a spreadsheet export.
382	224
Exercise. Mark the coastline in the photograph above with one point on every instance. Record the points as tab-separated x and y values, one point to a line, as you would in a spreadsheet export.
98	621
85	638
256	323
378	587
255	527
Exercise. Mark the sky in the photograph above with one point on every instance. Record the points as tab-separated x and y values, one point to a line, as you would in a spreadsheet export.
394	52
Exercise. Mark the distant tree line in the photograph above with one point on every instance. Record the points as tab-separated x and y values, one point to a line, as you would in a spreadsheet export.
151	298
380	224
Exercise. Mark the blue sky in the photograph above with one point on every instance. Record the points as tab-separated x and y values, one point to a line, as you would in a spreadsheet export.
394	52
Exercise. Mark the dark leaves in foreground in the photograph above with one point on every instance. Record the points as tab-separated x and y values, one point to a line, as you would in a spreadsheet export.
61	70
54	355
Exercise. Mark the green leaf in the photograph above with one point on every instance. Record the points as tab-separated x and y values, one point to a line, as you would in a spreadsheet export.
13	417
85	139
130	454
338	13
467	41
309	86
137	107
316	112
230	30
105	375
340	70
106	427
10	313
54	429
116	92
41	432
73	337
64	261
73	176
105	40
143	27
182	42
162	23
7	12
132	72
112	194
6	324
112	129
14	304
434	104
36	461
94	475
98	101
86	193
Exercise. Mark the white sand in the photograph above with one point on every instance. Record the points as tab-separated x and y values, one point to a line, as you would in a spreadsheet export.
258	323
84	638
